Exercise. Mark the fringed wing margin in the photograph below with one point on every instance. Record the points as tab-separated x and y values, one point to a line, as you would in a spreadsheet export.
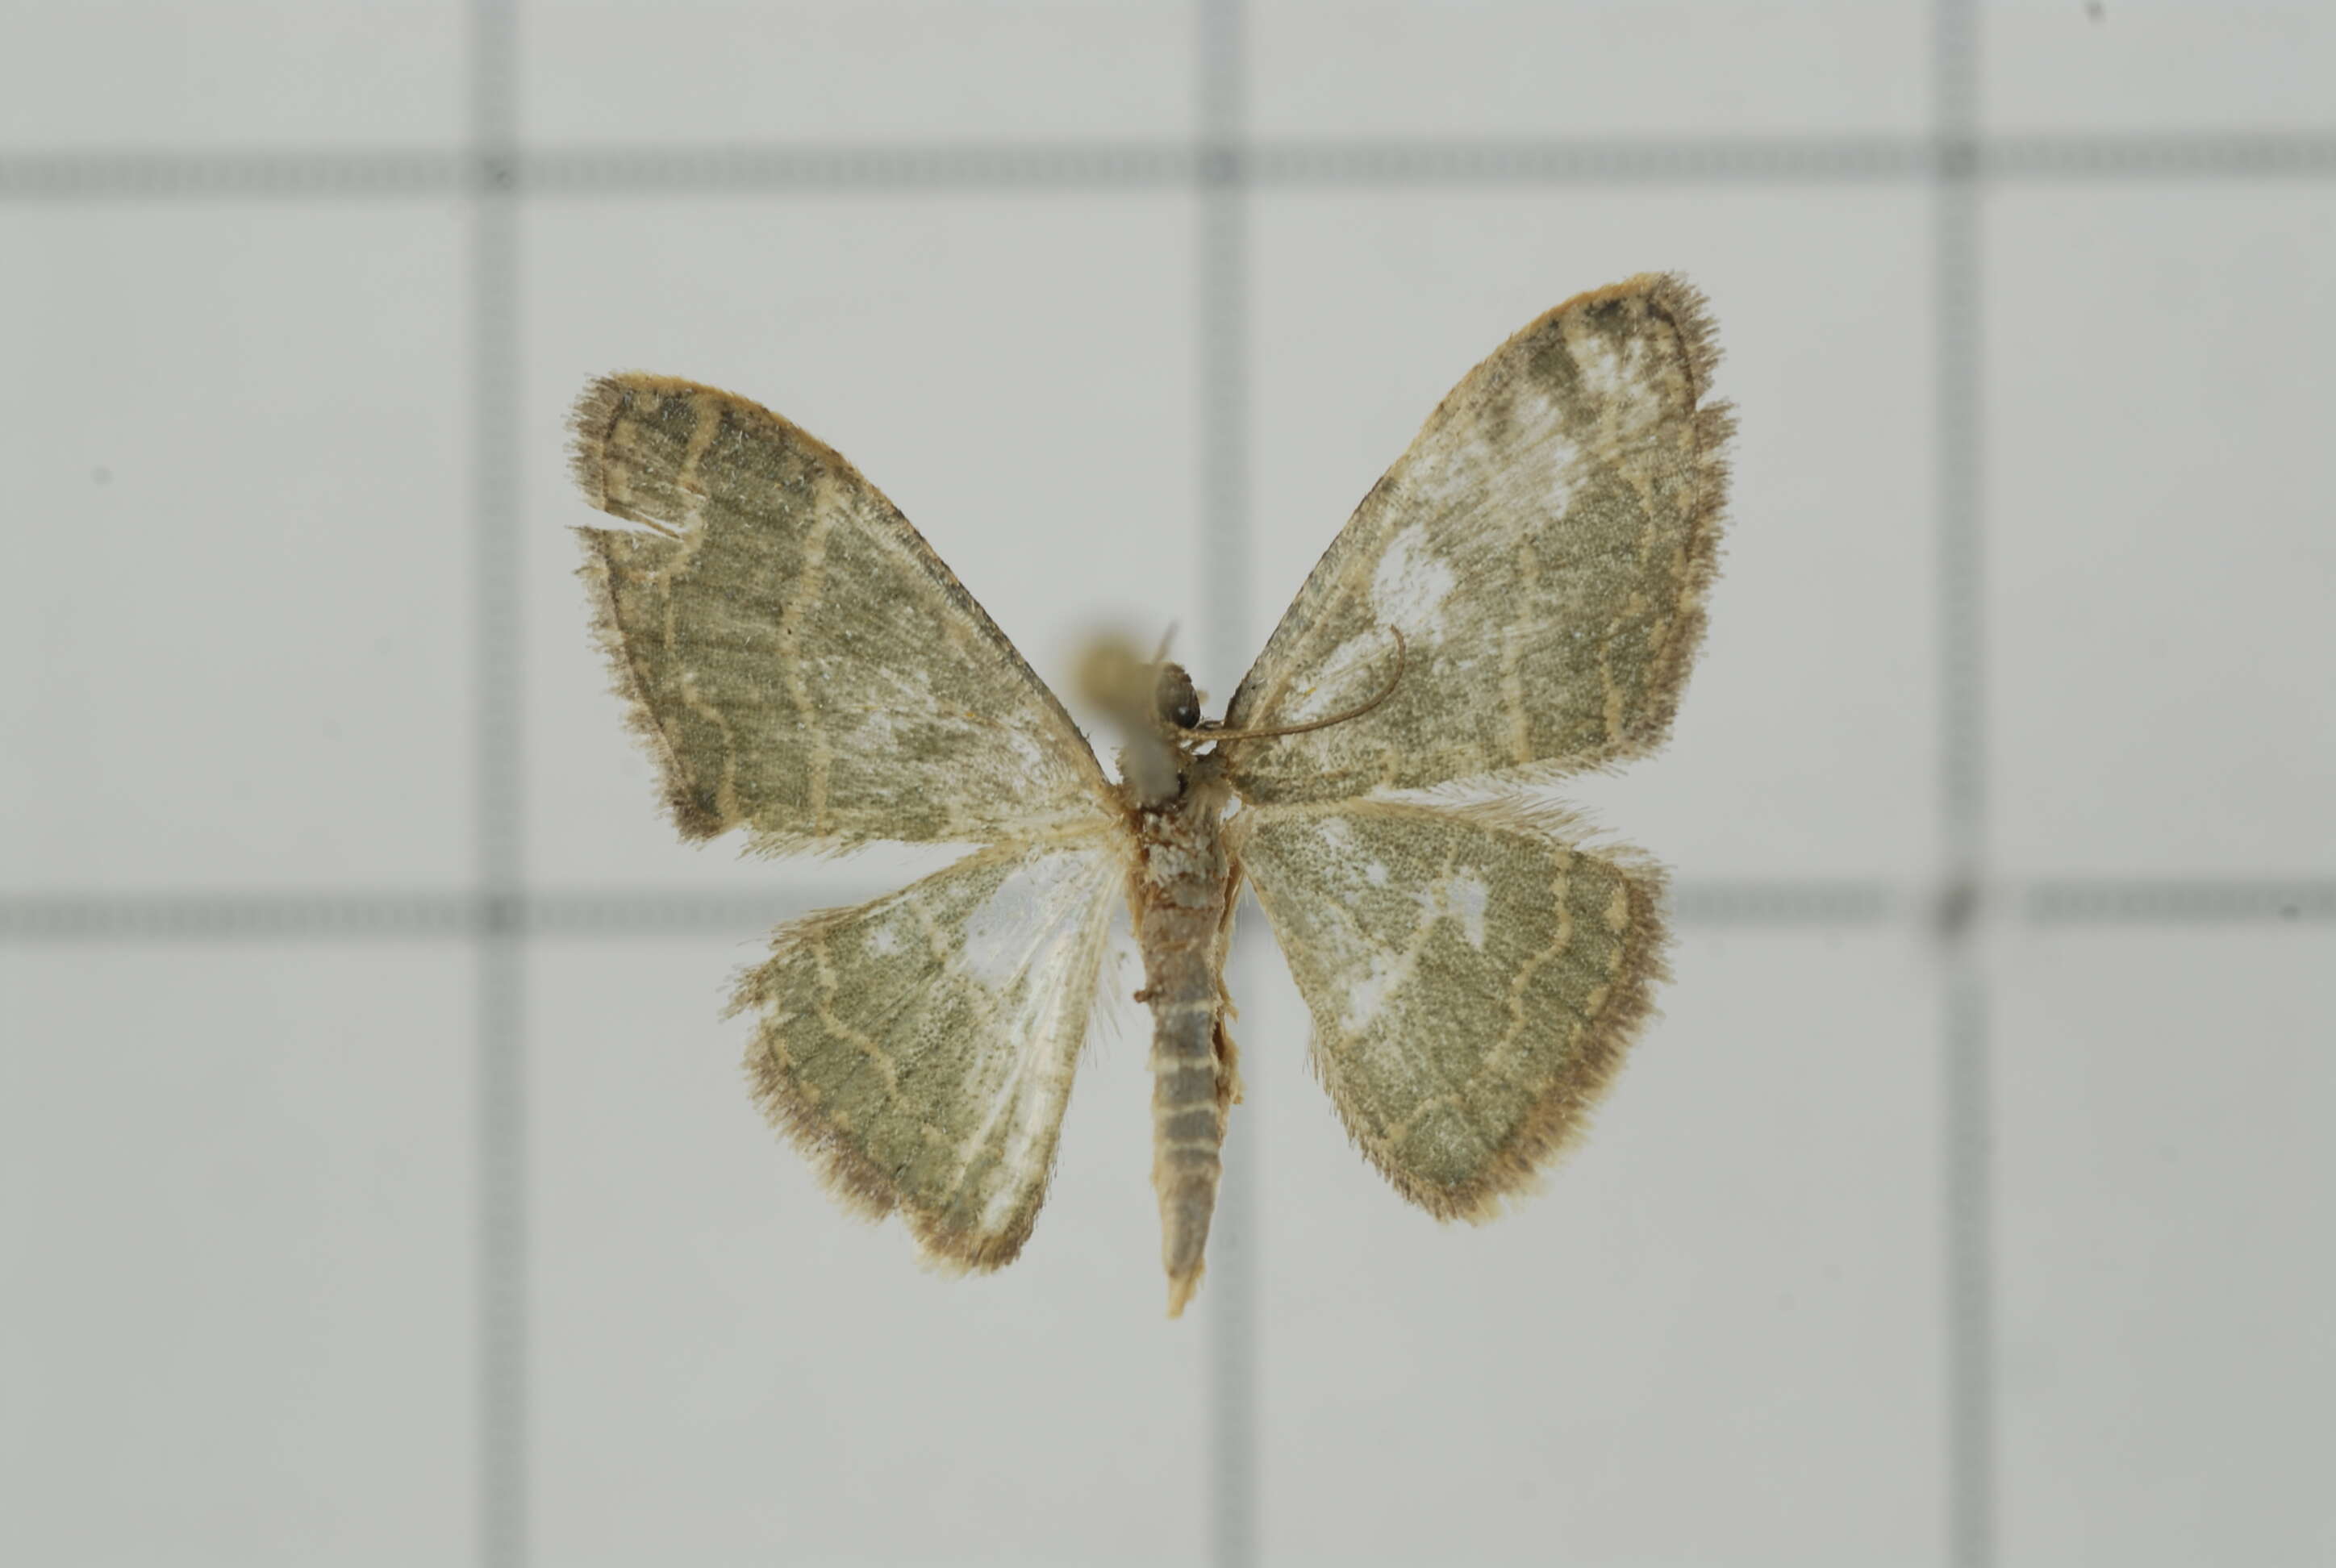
1545	547
919	1049
797	660
1475	974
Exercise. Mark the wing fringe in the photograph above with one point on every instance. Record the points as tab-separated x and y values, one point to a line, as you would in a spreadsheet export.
1562	1117
858	1184
1557	1120
1683	306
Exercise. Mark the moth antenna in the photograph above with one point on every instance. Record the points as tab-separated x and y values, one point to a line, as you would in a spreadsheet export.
1402	656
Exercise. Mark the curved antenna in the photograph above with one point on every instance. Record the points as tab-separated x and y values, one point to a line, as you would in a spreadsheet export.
1402	656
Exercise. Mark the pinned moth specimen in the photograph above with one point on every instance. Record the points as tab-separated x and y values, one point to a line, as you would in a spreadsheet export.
1518	599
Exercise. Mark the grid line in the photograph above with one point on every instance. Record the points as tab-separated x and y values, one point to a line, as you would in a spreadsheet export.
1966	1221
499	924
1967	1279
1104	163
1730	904
2198	900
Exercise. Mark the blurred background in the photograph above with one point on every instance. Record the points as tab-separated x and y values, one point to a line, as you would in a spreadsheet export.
376	1175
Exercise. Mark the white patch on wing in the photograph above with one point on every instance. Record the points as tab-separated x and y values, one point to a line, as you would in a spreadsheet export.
884	941
1466	896
1535	457
1366	995
1047	1009
1410	587
1036	759
1033	941
1605	372
1042	902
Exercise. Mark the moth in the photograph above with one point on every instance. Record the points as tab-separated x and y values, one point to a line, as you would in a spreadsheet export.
1518	599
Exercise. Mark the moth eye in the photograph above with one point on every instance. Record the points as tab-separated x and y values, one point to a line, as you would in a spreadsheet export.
1177	702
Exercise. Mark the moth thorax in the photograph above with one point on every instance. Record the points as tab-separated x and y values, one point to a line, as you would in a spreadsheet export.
1173	698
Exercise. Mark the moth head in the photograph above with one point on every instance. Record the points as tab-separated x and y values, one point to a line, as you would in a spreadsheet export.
1174	702
1153	704
1150	695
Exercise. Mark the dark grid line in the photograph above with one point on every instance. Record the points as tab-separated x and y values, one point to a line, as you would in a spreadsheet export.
228	917
1966	1116
2188	901
1967	1243
502	1475
1104	164
624	914
1074	167
1220	322
346	176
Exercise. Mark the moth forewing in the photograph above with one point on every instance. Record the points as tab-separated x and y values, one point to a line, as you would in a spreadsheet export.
798	659
1544	547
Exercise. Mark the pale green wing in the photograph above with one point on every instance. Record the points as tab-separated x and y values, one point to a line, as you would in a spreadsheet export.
919	1050
797	657
1474	977
1544	547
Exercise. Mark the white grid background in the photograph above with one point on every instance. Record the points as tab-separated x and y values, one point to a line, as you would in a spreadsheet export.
377	1184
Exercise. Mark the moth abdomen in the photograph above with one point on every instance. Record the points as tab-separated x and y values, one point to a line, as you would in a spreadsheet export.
1181	896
